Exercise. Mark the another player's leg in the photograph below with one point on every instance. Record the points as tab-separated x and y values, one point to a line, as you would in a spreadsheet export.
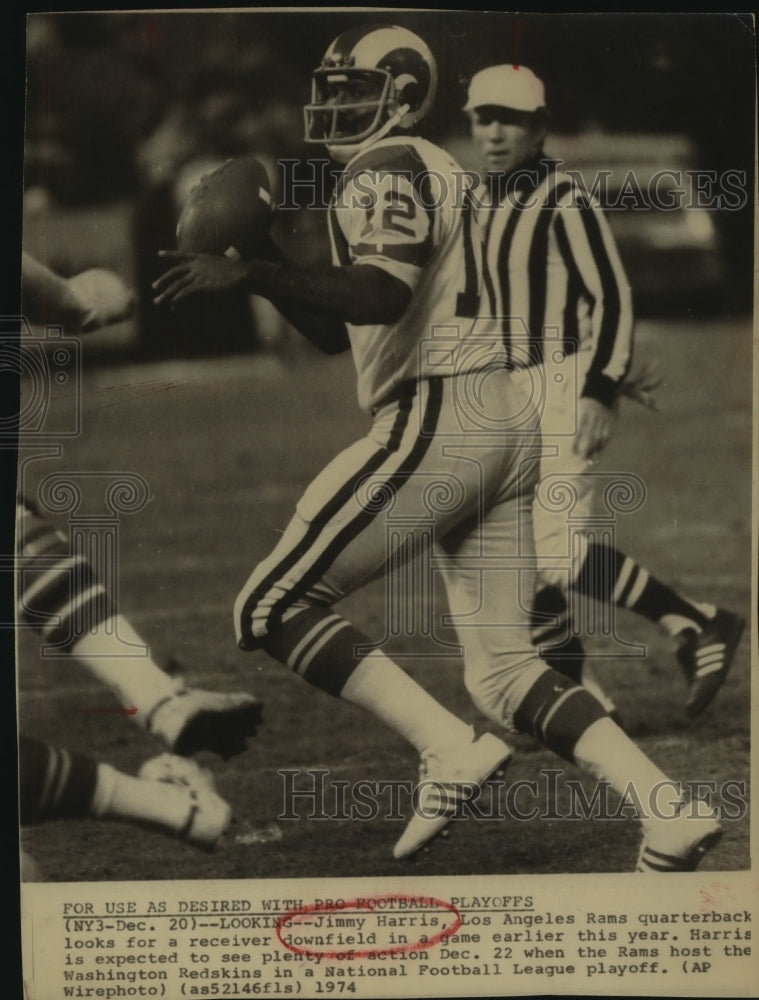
60	595
171	794
708	636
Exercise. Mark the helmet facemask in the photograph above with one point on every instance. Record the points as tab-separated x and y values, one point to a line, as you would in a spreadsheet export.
348	105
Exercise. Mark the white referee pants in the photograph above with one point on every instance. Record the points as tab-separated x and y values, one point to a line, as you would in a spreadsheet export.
565	497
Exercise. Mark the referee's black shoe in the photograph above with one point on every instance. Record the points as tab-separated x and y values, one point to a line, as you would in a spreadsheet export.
706	658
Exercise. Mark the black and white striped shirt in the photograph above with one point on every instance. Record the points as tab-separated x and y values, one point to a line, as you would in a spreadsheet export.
551	268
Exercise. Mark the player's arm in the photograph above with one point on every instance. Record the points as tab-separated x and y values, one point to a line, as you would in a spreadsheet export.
85	302
382	247
345	294
591	256
318	301
327	333
47	298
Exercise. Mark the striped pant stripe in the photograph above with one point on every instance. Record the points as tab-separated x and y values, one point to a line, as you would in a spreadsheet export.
637	589
63	600
82	613
53	782
38	539
316	550
322	518
362	520
53	769
61	781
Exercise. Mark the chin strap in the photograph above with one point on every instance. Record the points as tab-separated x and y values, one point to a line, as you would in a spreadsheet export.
395	119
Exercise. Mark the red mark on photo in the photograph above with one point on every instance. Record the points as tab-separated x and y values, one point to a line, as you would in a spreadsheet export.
715	896
517	33
311	930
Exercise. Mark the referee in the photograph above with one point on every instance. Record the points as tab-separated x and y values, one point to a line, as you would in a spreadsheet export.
556	286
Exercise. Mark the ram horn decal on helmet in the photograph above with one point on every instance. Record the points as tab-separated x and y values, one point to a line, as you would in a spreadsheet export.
370	81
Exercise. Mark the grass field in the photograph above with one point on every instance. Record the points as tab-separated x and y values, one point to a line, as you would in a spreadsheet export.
227	446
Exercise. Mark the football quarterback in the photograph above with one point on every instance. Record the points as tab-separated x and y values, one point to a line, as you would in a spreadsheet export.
450	463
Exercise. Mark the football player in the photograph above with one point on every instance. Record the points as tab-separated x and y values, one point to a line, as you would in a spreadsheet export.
550	258
453	452
58	592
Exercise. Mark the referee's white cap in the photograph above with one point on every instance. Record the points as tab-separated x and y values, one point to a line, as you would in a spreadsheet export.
506	87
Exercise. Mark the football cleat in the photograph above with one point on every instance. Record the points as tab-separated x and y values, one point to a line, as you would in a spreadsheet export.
446	785
678	844
707	656
208	815
191	721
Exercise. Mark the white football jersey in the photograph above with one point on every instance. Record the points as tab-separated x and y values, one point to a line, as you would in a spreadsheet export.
402	205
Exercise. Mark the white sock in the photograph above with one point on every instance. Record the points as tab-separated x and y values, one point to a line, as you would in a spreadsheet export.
610	755
675	624
120	659
119	796
382	688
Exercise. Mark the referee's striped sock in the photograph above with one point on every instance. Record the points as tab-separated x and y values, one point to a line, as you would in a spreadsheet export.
609	576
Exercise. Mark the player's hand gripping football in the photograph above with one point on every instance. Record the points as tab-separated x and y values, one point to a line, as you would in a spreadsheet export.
197	272
595	422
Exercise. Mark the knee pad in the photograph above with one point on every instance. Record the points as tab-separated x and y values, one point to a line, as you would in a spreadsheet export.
557	711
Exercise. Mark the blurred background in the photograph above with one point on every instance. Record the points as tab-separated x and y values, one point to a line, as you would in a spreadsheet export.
125	112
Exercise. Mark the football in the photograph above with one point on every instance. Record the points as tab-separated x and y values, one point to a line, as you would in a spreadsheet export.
229	212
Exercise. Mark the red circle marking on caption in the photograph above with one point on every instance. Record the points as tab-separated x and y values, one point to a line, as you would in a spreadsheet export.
369	903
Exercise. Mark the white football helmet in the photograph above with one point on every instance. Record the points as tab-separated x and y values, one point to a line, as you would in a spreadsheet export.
371	80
